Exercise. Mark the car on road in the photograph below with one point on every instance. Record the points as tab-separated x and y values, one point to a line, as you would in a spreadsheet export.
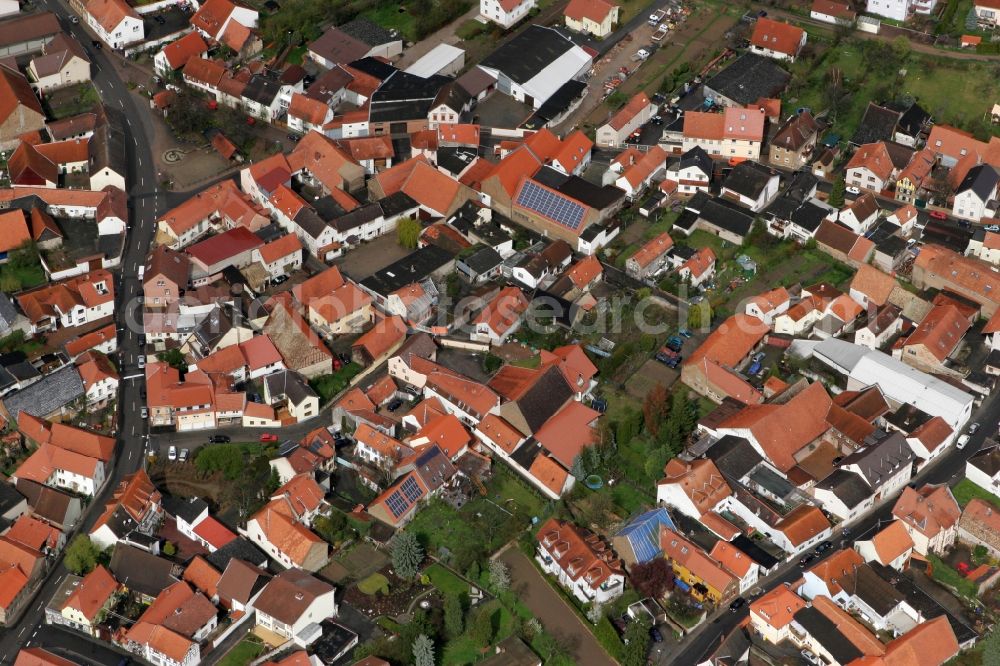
74	20
143	413
219	439
806	559
851	189
140	361
96	44
938	214
973	428
268	437
172	453
184	455
142	340
738	603
293	137
992	227
810	657
823	547
281	279
962	441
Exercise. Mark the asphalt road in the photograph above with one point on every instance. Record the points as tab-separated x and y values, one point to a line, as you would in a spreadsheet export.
76	647
949	468
146	203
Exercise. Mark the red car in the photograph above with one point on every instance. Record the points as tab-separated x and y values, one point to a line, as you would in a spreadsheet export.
938	215
268	437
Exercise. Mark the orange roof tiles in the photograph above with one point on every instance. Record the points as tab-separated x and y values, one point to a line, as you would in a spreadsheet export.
940	331
734	124
731	558
679	550
180	52
968	273
874	157
700	480
625	115
575	149
324	160
110	13
778	607
203	576
381	338
731	341
503	311
280	248
34	533
850	628
585	271
771	300
161	640
579	553
576	366
15	230
549	473
12	583
93	593
595	10
447	432
701	261
777	36
802	523
33	656
892	542
286	534
512	169
312	111
204	71
569	431
837	570
499	431
464	134
212	15
930	643
873	283
369	148
953	142
928	510
317	287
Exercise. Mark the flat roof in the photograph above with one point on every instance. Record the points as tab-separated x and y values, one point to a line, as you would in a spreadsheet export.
435	60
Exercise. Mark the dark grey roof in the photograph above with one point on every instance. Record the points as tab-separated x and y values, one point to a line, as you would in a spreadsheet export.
357	217
289	384
922	602
749	78
483	260
141	571
913	119
802	185
881	460
907	418
559	101
726	216
46	502
412	268
334	643
545	397
982	180
899	154
796	132
369	32
893	246
373	67
405	96
772	482
596	196
8	313
240	549
848	487
433	467
187	509
213	328
106	147
809	216
699	158
262	88
755	552
527	54
749	179
825	632
52	392
453	96
397	203
880	596
456	159
987	460
878	124
9	497
328	83
734	456
475	81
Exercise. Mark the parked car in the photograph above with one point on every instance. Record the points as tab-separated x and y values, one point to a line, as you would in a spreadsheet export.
810	657
281	279
853	189
806	559
823	547
655	634
219	439
394	404
962	441
172	453
973	428
184	455
268	437
938	214
738	603
96	44
992	227
143	413
142	340
140	361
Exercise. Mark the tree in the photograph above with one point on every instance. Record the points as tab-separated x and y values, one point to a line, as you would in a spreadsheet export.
81	555
174	358
408	232
169	549
836	198
481	630
578	471
454	617
331	526
636	644
407	554
595	613
499	576
652	579
980	554
423	651
654	409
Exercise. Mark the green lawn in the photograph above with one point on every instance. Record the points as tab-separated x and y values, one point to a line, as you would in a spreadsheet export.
965	491
328	386
374	584
388	16
295	55
948	576
444	580
243	652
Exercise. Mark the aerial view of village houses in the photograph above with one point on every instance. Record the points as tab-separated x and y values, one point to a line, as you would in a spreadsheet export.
499	332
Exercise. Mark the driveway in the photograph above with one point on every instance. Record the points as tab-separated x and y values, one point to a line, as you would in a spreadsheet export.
554	613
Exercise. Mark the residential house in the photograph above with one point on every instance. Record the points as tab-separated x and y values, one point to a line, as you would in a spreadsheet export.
293	605
225	22
175	55
980	525
638	169
983	469
734	133
651	258
736	562
280	530
353	41
636	113
63	63
692	171
833	578
769	305
289	391
505	13
870	168
751	185
116	23
66	457
85	601
699	268
423	475
580	561
595	17
772	615
693	488
23	112
860	215
912	179
975	197
502	316
886	464
930	515
935	339
160	645
698	574
987	13
711	370
74	302
776	39
100	379
793	145
891	547
135	508
830	11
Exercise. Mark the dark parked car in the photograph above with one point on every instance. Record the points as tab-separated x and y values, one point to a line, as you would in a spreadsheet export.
96	44
394	404
281	279
738	603
823	547
655	634
219	439
142	340
806	559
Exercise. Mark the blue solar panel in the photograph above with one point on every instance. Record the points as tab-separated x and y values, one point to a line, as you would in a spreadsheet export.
552	205
411	489
643	533
397	503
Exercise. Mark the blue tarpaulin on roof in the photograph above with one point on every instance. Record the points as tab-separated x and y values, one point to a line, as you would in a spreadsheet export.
643	533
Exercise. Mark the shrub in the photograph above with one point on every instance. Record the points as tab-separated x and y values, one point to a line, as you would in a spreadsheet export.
374	584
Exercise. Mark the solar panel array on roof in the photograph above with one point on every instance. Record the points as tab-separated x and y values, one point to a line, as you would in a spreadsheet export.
397	503
405	496
545	202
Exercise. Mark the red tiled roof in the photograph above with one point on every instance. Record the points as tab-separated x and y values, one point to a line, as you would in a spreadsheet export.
595	10
504	310
777	36
226	245
625	115
928	509
700	480
180	52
